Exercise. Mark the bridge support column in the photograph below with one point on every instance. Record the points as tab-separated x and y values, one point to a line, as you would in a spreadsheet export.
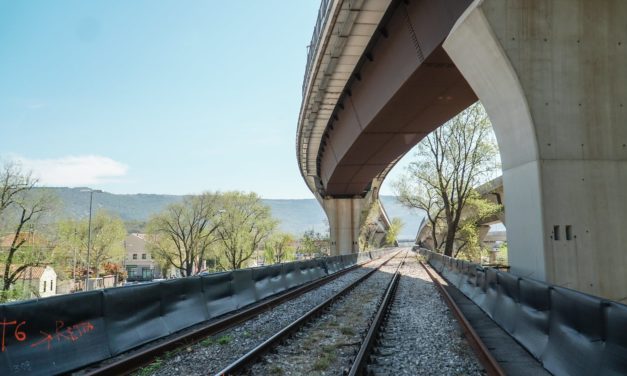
344	216
553	79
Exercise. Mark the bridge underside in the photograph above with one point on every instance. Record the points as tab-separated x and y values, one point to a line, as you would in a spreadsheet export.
407	87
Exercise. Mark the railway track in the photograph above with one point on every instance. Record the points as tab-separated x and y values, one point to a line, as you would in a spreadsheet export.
154	353
326	337
411	336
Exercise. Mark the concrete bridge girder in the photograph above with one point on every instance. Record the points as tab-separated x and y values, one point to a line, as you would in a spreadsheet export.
553	79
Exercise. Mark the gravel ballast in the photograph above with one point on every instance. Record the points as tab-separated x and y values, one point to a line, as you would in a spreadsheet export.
215	353
328	344
420	335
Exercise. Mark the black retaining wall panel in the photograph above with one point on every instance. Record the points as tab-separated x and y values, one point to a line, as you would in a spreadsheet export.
182	303
575	333
52	335
243	287
490	292
133	316
291	271
506	301
218	294
614	360
532	327
268	281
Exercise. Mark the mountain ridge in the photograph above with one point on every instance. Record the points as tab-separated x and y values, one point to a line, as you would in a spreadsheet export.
295	215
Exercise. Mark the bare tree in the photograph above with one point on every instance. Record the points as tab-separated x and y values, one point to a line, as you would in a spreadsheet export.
20	209
183	233
449	162
425	199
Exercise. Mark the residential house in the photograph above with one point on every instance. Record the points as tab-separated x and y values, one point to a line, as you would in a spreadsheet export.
138	262
41	281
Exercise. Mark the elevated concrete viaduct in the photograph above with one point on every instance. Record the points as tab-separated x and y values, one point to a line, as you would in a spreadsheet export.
552	75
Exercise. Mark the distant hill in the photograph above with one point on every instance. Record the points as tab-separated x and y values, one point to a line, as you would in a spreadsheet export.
135	207
295	216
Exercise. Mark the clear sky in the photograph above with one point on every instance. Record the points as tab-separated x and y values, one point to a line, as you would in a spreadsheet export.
155	96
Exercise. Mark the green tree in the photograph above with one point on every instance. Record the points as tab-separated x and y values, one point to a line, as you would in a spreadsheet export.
279	248
21	210
246	223
369	227
313	243
107	243
182	235
449	162
467	242
69	254
396	226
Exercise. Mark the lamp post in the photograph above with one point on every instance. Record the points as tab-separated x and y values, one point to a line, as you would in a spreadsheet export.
74	265
91	199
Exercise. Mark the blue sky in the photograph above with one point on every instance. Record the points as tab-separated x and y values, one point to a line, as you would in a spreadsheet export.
155	96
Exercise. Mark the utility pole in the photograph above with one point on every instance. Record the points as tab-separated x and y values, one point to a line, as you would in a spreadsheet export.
91	199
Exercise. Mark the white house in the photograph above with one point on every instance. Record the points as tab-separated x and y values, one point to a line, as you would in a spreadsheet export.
41	280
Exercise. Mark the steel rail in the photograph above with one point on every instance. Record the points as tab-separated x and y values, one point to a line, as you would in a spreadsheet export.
249	357
361	358
135	359
483	354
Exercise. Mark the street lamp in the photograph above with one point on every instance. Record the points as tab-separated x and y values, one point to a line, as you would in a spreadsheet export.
91	199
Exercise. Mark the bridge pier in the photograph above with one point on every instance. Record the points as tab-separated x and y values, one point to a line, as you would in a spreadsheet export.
553	79
344	215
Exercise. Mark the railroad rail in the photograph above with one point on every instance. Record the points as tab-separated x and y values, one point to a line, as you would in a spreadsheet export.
483	354
240	365
134	360
360	363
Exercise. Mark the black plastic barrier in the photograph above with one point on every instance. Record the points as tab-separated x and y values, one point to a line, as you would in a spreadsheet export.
53	335
569	332
62	333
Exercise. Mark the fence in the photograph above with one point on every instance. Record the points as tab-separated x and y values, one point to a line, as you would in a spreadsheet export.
62	333
569	332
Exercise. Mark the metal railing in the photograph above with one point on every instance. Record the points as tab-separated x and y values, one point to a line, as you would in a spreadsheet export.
323	15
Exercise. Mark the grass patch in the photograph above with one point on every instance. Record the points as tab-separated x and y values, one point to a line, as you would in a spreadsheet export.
323	363
207	342
225	340
150	369
326	358
170	354
276	370
347	331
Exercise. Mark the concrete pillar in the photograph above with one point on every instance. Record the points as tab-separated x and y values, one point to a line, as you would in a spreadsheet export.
552	75
344	216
